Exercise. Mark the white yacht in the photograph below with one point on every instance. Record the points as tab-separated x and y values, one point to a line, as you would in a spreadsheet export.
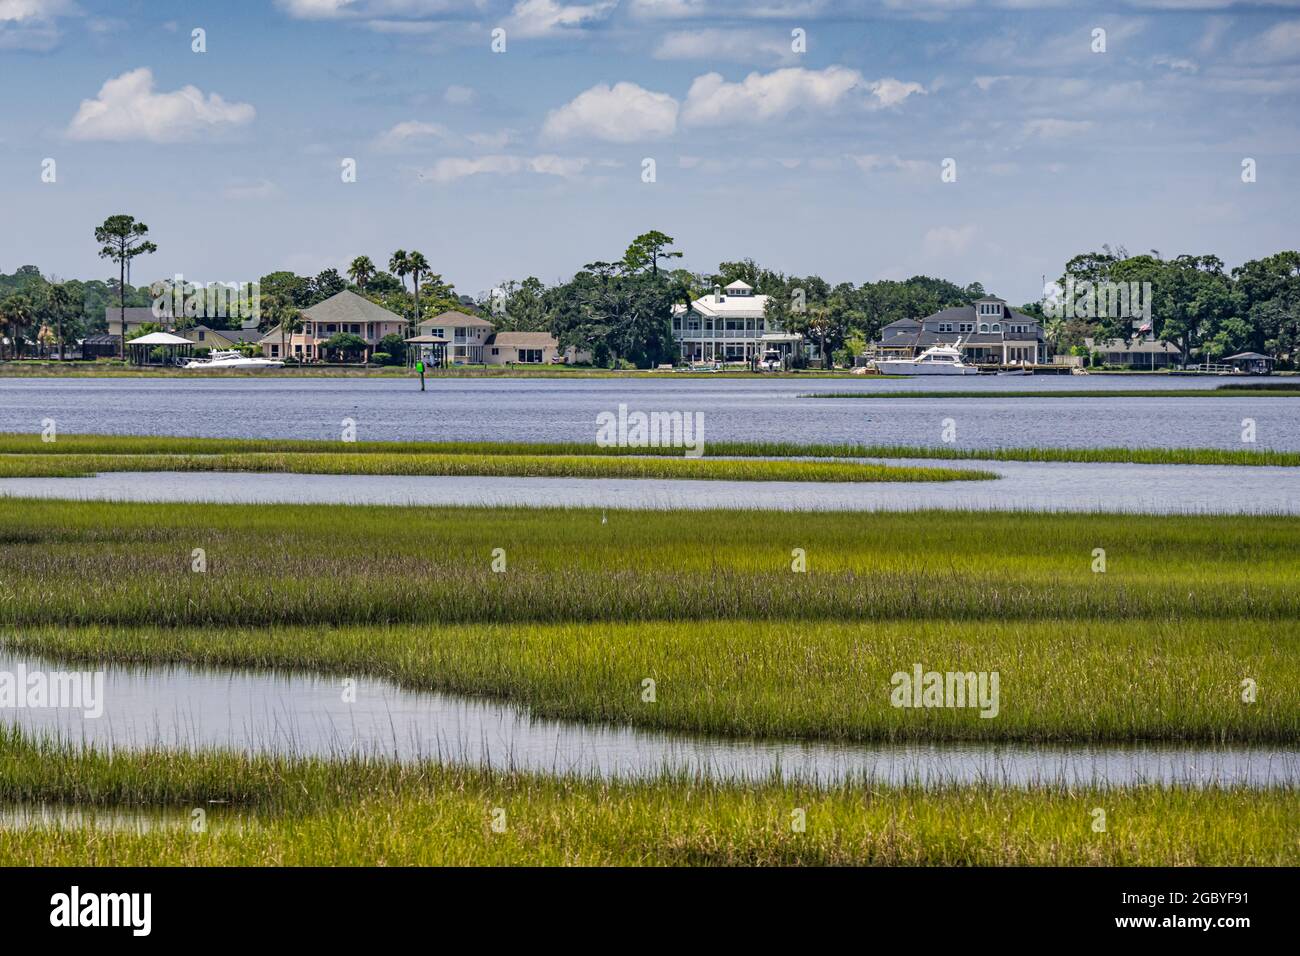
936	360
231	359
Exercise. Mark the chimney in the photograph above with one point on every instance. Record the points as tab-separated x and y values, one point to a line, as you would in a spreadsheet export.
717	293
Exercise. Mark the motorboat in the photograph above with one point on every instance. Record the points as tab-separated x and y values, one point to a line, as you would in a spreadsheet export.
936	360
229	358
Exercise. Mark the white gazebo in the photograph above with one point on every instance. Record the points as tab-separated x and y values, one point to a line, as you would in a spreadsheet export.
180	346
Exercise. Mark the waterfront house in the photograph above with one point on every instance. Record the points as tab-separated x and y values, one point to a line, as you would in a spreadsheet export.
730	325
467	334
1252	363
136	316
344	312
990	331
1135	353
530	348
205	337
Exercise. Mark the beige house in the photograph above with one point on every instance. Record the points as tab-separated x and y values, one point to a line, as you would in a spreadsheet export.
466	335
136	316
344	312
221	339
530	348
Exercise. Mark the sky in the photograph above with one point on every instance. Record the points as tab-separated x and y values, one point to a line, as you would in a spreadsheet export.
976	141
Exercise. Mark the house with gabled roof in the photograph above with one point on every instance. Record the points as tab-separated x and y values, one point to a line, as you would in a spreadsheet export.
989	330
342	312
730	325
466	335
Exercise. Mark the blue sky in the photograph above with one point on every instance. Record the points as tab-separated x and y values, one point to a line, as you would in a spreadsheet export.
530	161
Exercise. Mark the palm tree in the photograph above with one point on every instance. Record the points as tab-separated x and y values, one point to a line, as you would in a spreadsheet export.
18	313
399	264
284	313
362	271
58	306
417	264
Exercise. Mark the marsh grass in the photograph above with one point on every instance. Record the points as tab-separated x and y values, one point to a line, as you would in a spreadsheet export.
70	562
1061	680
314	812
479	465
27	444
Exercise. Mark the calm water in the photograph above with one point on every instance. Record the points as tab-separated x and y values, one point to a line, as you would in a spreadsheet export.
277	712
1031	486
734	409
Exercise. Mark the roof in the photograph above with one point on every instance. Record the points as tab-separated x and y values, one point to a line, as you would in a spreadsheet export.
230	335
347	306
1143	347
738	286
736	307
102	338
159	338
271	336
1250	357
524	340
455	318
425	340
134	314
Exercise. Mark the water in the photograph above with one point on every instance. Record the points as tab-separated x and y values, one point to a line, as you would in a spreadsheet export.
1029	486
498	409
302	714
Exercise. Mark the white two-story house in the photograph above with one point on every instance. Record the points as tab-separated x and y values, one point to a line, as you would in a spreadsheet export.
730	325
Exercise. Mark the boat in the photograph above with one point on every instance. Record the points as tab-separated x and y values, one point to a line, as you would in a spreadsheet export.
936	360
229	358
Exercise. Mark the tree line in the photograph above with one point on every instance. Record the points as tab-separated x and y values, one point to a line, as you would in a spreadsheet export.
621	309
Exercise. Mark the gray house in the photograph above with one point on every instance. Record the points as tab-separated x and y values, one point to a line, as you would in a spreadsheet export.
990	331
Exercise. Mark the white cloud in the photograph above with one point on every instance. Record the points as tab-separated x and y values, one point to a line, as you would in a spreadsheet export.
128	108
948	240
19	11
623	113
1279	42
540	18
1056	128
32	24
454	168
765	96
742	46
1176	64
316	9
891	92
410	131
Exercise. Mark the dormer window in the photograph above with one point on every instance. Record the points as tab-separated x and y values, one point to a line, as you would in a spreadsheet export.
997	326
984	326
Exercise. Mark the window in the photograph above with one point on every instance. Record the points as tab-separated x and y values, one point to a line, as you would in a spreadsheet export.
945	326
967	327
202	333
496	351
530	356
984	326
997	326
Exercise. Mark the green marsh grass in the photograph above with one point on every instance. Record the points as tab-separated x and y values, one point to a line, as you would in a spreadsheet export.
1280	390
1061	680
13	443
313	812
475	465
68	562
